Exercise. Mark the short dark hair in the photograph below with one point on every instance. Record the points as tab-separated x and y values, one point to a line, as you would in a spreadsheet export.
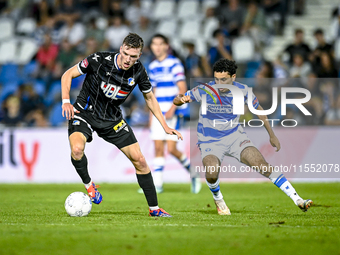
165	39
132	40
298	31
318	31
225	65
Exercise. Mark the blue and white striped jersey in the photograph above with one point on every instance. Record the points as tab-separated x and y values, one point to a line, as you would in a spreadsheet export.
164	76
216	123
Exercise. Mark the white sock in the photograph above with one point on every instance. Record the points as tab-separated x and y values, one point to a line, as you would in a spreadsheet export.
88	185
157	174
153	208
185	161
280	181
215	190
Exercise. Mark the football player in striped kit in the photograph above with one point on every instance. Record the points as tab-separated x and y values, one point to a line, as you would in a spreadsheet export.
217	141
167	77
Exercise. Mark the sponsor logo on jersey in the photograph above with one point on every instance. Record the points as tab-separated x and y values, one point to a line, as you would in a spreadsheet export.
119	126
96	57
84	63
113	91
131	81
244	142
109	58
208	149
76	123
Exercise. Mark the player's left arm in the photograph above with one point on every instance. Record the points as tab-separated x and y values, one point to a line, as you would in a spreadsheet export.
153	105
274	141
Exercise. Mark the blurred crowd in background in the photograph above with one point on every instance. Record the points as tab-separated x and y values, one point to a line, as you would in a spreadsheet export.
60	33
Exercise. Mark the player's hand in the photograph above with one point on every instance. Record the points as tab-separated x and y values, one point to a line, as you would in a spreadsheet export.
171	131
186	99
275	142
68	111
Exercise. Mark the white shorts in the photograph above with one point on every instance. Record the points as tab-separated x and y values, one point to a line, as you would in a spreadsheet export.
157	131
231	145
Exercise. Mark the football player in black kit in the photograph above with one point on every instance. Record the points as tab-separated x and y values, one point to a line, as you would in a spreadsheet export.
110	78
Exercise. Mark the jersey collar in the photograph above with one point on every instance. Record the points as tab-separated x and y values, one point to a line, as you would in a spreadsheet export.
116	63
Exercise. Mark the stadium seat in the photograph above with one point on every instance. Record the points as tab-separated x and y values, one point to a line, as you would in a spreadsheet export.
8	89
188	9
26	50
39	87
56	117
54	91
167	27
26	26
209	4
9	73
102	23
189	30
209	26
6	28
201	47
243	49
163	9
7	51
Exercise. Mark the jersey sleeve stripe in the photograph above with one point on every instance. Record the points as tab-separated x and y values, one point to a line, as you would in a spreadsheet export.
79	69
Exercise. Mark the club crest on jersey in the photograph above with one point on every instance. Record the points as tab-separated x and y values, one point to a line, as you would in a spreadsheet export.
113	91
76	123
84	63
131	81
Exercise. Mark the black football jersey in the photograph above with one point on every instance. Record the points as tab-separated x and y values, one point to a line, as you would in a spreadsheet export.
106	86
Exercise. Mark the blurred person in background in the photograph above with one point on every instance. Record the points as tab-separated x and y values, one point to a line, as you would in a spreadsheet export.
29	99
92	31
13	116
195	65
332	117
327	67
42	11
300	69
298	47
116	9
66	57
144	28
115	34
322	46
46	57
15	9
220	47
73	31
231	15
37	118
255	25
67	11
134	12
167	77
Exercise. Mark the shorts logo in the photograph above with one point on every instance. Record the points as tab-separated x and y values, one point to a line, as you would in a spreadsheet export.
244	142
208	149
76	123
119	126
84	63
131	81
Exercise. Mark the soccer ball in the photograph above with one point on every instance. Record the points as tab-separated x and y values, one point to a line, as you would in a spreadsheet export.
78	204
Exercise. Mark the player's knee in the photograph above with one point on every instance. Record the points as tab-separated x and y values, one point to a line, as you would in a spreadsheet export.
172	150
139	161
77	151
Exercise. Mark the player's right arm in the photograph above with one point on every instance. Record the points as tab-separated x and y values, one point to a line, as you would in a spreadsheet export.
66	80
182	99
188	97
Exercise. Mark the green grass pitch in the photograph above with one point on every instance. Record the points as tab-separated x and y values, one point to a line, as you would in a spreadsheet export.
263	221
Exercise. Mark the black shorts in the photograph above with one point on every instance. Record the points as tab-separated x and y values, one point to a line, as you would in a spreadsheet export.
118	132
